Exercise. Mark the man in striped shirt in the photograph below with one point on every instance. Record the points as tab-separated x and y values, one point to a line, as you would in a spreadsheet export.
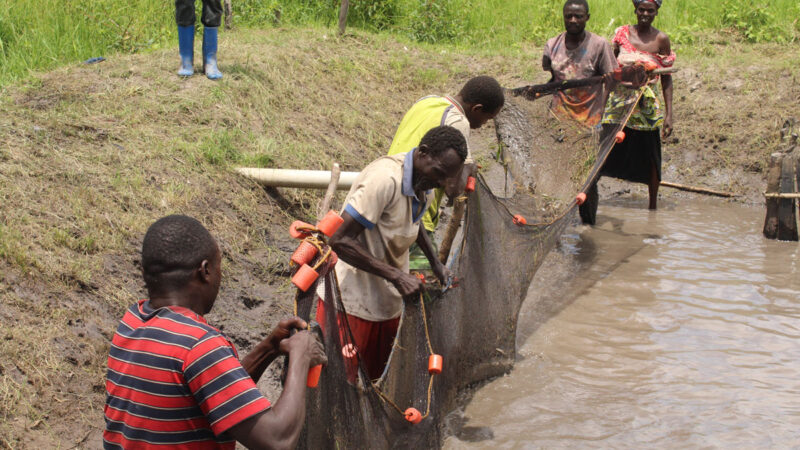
174	380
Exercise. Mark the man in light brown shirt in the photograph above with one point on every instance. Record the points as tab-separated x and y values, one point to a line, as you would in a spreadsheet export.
382	218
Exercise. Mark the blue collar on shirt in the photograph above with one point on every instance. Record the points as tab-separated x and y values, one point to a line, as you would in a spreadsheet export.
407	187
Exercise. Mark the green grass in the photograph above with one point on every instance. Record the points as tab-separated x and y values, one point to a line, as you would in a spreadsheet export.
37	35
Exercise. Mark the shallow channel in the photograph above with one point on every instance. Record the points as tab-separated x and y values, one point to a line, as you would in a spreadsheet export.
677	328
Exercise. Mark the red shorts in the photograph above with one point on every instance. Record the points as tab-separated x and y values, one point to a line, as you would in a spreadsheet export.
373	341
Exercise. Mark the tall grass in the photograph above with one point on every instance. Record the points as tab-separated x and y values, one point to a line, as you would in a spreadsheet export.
42	34
508	22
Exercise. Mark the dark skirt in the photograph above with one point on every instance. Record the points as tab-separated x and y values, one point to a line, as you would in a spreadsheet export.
633	158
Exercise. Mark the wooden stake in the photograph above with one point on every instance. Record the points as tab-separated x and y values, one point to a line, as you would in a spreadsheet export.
697	189
452	228
787	211
343	16
773	186
228	10
326	201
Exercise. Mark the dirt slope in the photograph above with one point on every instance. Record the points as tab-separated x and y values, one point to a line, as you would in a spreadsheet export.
91	155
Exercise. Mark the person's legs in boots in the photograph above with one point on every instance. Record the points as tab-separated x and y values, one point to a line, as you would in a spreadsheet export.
185	17
212	17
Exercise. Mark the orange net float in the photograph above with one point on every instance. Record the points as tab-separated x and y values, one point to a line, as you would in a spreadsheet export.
296	229
330	223
519	220
313	376
619	137
470	184
650	66
305	277
435	364
413	415
349	351
580	198
304	254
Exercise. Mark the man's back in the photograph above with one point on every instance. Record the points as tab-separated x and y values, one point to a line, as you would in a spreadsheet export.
427	113
174	380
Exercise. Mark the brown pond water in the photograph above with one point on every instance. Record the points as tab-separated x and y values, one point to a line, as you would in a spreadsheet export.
674	329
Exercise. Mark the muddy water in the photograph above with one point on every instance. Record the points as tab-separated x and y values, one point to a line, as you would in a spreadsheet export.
681	329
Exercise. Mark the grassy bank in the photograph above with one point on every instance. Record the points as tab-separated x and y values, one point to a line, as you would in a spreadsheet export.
38	35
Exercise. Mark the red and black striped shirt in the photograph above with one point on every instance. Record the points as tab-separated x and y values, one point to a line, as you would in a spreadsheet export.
173	380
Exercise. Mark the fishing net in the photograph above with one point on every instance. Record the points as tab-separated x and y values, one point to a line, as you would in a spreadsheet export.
522	203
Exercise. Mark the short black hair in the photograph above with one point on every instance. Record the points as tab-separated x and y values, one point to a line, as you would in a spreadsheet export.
583	3
173	247
441	138
483	90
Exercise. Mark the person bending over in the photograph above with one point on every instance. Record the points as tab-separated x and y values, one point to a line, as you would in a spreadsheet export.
382	218
479	100
174	380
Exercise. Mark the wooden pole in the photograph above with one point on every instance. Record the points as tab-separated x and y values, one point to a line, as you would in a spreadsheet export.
697	189
787	211
326	201
343	16
228	9
773	187
792	196
452	228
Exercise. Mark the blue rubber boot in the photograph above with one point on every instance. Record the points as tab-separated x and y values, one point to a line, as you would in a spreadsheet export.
186	49
210	53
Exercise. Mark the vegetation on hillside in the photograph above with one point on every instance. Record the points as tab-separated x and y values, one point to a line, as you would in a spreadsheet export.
38	35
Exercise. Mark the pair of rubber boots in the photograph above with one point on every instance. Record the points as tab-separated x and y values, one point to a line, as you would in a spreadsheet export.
186	48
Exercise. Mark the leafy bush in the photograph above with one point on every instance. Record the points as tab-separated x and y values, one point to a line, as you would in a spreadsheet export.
755	22
6	34
376	15
436	20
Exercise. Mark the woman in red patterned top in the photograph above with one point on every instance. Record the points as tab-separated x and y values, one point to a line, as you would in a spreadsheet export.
638	157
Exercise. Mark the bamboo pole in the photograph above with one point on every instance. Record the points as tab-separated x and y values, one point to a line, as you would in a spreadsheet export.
697	189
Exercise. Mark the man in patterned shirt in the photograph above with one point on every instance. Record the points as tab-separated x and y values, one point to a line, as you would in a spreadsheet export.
174	380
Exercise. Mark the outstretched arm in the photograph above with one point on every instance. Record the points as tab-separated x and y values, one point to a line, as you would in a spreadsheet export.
257	361
279	427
